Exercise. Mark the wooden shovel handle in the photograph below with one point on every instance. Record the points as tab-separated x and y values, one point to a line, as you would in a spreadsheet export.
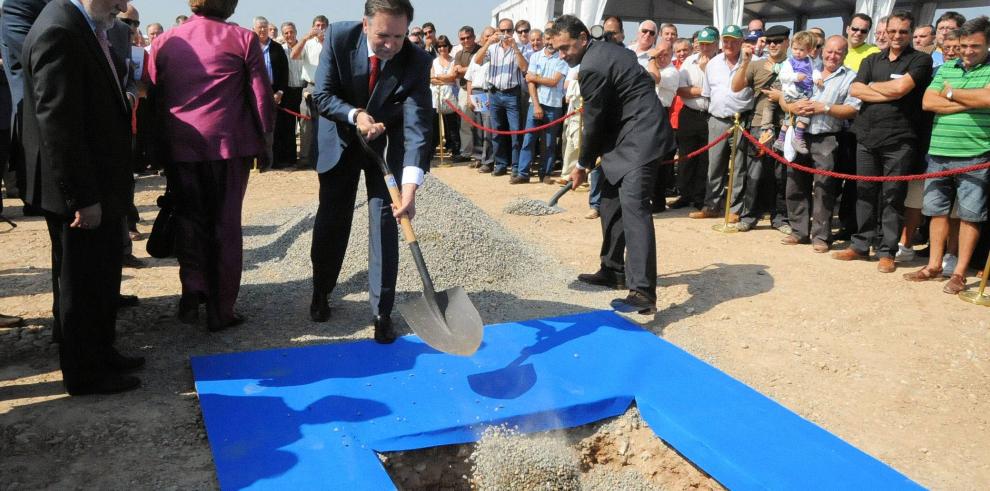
393	191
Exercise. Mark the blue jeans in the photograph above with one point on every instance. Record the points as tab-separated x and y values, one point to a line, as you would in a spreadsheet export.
549	146
505	115
595	183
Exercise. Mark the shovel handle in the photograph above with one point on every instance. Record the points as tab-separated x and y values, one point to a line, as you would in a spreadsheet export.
556	197
393	191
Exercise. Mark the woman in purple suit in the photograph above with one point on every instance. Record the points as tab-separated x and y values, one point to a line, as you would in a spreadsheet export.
215	106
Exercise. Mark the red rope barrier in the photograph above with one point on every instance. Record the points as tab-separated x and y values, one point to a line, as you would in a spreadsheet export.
467	118
700	150
839	175
303	116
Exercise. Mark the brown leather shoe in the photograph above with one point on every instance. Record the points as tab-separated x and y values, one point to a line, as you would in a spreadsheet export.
704	213
849	254
924	274
792	240
955	285
886	265
819	246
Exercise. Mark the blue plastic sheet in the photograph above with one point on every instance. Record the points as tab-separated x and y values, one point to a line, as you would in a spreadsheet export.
313	417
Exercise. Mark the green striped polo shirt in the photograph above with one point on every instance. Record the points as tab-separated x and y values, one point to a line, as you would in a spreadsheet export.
965	134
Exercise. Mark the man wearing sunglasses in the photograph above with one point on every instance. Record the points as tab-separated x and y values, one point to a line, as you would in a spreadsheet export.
856	33
890	136
645	41
468	133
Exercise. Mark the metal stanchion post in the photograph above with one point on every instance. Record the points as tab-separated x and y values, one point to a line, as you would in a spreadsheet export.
442	148
725	227
979	297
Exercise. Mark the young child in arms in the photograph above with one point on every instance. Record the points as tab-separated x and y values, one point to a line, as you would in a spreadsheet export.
797	81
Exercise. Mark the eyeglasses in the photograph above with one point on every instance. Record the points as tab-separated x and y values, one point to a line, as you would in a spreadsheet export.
859	30
647	31
522	31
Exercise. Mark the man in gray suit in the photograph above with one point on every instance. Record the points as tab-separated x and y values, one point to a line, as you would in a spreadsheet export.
625	125
373	80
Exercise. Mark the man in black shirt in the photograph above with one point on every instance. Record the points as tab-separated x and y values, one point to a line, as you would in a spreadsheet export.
891	85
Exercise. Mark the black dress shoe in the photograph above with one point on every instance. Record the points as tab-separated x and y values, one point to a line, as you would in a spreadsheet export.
384	333
189	309
604	277
635	302
485	169
319	308
131	261
680	203
120	363
127	301
215	324
110	383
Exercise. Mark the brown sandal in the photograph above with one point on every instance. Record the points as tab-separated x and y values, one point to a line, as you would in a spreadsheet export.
955	285
924	274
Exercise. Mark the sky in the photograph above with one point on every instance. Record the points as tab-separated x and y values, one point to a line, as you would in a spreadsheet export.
447	15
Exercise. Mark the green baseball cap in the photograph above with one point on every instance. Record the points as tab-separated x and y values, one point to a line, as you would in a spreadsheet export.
732	31
706	36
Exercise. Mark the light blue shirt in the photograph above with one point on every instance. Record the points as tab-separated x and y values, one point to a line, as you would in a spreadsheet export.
547	67
92	23
268	59
835	90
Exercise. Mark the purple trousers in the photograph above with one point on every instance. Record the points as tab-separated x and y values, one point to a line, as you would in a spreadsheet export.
208	242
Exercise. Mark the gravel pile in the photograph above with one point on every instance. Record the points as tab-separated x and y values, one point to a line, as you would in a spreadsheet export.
530	207
503	459
600	479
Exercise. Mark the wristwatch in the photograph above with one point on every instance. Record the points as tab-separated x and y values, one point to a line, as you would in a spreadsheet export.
948	95
828	108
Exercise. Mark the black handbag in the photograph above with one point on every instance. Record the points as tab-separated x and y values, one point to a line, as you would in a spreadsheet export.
161	242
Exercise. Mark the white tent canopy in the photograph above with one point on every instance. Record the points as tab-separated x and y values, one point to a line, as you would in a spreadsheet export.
718	12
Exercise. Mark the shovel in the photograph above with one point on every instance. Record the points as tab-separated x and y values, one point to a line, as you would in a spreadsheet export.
446	320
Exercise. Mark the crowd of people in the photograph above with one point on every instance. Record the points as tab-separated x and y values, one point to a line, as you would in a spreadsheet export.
205	100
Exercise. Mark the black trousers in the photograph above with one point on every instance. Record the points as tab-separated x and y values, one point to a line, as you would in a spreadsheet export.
86	280
846	164
284	139
889	160
692	135
332	229
664	177
628	237
4	156
811	198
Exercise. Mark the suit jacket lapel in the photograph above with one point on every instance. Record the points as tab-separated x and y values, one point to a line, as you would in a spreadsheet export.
360	69
387	80
97	52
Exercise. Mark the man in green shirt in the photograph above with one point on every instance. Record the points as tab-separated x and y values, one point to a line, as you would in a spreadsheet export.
856	33
959	95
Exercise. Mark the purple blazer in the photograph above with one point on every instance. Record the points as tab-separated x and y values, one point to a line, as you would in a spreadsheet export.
212	90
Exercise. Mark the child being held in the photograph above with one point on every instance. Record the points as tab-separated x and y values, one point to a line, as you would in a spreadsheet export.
797	81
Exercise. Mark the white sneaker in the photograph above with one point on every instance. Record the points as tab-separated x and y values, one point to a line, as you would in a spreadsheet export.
949	262
904	254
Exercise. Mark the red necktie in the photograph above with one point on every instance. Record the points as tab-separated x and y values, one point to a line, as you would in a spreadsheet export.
373	77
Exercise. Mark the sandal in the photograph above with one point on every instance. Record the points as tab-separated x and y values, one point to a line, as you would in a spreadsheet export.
955	285
924	274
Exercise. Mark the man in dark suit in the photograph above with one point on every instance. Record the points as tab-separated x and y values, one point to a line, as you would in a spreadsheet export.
373	80
76	138
625	125
277	64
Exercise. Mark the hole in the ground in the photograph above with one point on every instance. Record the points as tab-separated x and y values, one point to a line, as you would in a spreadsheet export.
616	453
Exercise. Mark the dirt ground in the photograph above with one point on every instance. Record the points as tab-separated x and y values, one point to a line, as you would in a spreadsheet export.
900	370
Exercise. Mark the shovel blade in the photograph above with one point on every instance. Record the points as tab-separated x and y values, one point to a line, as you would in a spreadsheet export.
449	322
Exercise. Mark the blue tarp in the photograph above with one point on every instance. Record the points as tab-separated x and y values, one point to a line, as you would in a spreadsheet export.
313	417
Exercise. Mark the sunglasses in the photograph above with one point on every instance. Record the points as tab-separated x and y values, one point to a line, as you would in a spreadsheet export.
131	22
522	31
859	30
430	31
505	31
776	41
416	33
647	31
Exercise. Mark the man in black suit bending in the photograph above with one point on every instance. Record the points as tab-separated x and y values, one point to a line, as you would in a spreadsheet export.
625	125
76	140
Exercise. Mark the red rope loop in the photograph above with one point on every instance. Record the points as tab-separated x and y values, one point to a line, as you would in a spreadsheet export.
701	150
303	116
839	175
471	121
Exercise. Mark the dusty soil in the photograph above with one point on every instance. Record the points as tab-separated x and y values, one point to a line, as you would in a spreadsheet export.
899	370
